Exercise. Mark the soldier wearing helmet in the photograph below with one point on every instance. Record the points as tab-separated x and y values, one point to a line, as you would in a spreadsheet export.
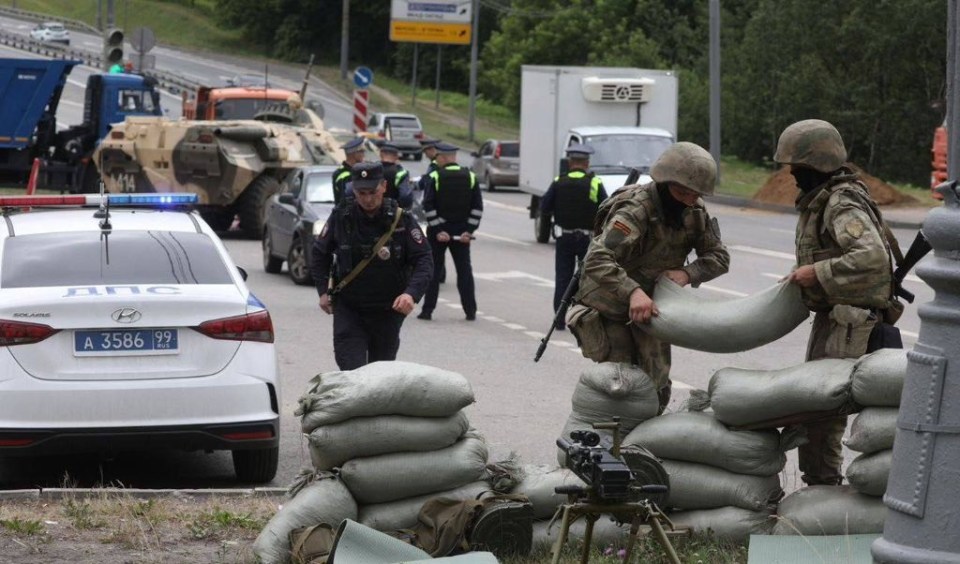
641	233
843	268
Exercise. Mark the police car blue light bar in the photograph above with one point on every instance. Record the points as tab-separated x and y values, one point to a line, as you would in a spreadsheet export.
158	199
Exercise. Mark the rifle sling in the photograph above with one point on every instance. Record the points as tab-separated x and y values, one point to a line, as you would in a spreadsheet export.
376	248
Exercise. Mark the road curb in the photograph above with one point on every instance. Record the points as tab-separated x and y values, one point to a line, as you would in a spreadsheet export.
737	201
19	495
136	493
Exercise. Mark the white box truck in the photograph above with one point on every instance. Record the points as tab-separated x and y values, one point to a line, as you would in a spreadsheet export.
627	115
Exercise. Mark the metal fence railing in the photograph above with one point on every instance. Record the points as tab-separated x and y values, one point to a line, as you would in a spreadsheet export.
38	17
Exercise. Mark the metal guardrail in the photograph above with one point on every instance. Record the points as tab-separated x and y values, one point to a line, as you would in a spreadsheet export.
169	81
38	17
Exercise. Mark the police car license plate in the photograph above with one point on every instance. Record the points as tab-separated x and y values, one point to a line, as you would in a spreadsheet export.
127	342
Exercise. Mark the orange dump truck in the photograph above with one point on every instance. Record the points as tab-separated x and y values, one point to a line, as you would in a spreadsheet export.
231	103
939	173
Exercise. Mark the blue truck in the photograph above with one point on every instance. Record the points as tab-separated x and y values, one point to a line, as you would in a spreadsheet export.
30	91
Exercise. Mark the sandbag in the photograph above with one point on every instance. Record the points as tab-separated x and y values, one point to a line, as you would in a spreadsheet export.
700	321
324	500
610	389
383	388
402	513
389	477
605	532
878	378
332	445
759	398
538	485
698	486
868	473
873	429
830	510
699	437
728	523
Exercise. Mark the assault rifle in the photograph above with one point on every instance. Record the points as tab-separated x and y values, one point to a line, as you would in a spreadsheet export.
918	249
561	311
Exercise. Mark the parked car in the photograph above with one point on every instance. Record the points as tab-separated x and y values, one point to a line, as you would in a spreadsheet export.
131	331
371	152
404	130
497	163
248	81
295	216
50	32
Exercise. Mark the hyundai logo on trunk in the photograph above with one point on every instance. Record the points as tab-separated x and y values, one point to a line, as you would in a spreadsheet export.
126	315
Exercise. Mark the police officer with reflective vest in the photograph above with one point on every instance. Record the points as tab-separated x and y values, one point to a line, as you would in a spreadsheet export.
353	151
383	267
398	178
430	151
453	207
572	200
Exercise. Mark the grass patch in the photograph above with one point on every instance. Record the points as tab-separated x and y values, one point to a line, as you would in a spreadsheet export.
696	549
27	527
82	514
216	522
739	178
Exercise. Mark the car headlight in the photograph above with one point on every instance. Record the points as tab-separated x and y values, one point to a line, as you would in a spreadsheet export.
318	227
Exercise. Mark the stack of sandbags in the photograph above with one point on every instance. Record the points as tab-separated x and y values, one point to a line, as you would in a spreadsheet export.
766	399
877	384
398	436
829	510
607	390
724	480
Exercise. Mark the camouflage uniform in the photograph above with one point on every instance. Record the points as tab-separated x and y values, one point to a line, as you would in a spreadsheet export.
634	248
839	232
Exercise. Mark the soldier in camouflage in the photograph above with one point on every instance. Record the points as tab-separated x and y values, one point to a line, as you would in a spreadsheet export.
644	232
843	268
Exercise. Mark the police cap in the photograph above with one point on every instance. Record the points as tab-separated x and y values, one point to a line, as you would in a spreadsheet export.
446	148
389	147
429	142
366	176
579	151
354	145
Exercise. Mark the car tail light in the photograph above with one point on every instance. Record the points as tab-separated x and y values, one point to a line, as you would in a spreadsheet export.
496	153
381	134
249	435
20	333
250	327
16	442
418	135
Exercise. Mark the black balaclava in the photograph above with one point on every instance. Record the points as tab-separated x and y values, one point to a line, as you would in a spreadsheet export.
672	208
807	178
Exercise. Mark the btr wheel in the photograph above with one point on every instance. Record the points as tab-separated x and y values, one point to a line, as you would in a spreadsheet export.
257	465
271	264
297	264
252	205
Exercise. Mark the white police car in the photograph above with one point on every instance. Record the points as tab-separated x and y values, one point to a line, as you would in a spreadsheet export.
128	332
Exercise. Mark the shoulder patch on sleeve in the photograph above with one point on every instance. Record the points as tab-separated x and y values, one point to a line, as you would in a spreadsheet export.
854	228
622	227
417	235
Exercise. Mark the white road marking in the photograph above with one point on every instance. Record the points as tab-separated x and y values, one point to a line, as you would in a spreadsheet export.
912	278
779	230
772	275
514	275
723	290
910	334
763	252
494	319
514	326
533	334
502	238
502	206
681	386
563	344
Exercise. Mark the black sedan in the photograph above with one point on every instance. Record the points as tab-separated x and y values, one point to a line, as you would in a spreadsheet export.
295	216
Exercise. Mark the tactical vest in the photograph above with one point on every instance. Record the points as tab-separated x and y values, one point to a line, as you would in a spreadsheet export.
394	174
454	187
378	285
576	193
341	177
814	244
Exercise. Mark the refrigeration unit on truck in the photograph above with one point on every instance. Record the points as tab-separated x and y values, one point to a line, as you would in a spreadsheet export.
627	115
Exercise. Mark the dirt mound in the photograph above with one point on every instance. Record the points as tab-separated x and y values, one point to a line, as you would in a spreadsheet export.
781	189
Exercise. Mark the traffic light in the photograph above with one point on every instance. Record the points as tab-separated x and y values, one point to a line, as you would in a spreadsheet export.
112	47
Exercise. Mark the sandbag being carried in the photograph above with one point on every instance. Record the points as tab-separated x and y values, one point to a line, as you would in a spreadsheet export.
332	445
868	473
729	523
873	429
878	378
383	388
388	477
700	438
773	398
325	499
700	321
698	486
402	513
538	485
830	510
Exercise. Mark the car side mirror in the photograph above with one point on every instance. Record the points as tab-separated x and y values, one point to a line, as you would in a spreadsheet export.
243	273
287	198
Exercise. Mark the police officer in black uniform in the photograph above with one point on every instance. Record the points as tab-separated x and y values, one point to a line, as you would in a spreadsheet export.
375	287
572	199
454	207
353	151
430	151
398	178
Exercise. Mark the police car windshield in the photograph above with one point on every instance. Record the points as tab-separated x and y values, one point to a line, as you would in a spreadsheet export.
136	257
320	188
626	150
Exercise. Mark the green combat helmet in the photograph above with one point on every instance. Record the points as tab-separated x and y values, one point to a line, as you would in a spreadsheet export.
687	164
813	143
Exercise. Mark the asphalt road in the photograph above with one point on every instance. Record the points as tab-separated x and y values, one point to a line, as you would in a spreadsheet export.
521	406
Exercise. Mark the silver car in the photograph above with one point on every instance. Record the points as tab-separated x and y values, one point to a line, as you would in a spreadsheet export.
497	163
50	32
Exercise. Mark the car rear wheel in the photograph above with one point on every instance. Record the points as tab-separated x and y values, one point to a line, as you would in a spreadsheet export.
489	182
297	264
257	465
271	264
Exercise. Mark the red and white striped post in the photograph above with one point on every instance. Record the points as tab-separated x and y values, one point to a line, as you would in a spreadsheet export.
361	100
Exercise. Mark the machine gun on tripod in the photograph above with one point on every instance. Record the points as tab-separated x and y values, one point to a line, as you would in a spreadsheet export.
613	489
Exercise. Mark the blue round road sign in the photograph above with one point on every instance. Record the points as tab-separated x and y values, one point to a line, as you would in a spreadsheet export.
363	77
